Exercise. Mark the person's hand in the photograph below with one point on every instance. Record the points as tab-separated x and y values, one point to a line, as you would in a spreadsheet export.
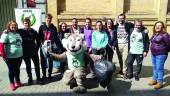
50	55
3	56
144	54
90	50
113	48
98	48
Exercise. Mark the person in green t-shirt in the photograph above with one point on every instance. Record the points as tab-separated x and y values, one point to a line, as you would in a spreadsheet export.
99	40
11	44
138	49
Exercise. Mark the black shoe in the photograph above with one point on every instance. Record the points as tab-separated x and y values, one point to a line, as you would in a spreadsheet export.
30	82
50	78
137	78
128	76
44	80
39	81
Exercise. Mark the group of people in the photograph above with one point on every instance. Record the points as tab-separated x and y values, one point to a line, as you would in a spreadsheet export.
130	41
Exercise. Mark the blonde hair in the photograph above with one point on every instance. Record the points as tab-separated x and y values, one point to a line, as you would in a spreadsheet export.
9	24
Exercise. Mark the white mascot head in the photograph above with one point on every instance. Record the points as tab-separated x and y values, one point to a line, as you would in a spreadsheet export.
74	43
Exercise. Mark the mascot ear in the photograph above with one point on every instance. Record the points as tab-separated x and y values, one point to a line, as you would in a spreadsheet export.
64	42
66	35
83	41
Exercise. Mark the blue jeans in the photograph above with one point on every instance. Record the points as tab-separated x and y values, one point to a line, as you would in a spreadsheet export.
158	67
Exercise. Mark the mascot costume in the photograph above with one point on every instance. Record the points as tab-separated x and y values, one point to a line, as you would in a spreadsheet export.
77	60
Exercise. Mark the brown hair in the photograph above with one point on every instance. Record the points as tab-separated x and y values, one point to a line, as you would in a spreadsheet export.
111	22
101	24
9	24
48	15
163	26
26	20
75	19
89	19
122	14
60	28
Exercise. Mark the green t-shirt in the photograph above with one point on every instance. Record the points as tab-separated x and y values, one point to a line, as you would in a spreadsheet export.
136	43
99	39
76	61
13	44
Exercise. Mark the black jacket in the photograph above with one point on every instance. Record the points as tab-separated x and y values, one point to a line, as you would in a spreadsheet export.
128	27
30	40
112	41
53	37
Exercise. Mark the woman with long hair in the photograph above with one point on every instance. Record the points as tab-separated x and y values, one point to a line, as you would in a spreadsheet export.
99	40
12	52
112	35
160	45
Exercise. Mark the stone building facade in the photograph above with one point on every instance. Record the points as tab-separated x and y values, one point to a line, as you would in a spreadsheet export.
147	10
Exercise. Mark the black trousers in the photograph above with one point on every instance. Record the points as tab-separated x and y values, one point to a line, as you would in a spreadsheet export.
110	53
130	60
27	58
14	69
102	52
44	64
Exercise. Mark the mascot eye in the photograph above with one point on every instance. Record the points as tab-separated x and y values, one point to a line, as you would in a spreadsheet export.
78	39
70	39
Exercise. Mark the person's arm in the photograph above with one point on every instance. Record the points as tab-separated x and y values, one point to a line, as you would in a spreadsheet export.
40	36
54	35
94	41
90	40
60	57
166	38
2	51
37	40
105	42
147	43
55	39
115	41
3	40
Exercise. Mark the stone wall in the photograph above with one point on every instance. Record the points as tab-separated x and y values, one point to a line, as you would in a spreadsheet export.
147	10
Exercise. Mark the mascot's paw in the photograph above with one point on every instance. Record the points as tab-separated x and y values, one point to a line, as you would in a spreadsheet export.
73	84
80	89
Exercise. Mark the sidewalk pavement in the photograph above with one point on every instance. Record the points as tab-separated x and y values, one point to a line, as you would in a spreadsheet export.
118	86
